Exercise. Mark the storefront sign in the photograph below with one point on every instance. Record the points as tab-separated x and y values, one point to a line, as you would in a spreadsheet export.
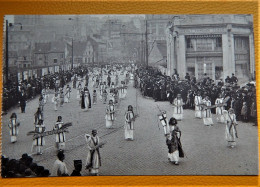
203	31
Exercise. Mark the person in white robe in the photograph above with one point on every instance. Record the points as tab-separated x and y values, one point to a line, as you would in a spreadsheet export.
178	108
14	127
198	108
59	137
110	114
231	130
129	123
79	89
38	116
59	166
93	160
55	101
40	141
207	116
67	94
123	90
219	109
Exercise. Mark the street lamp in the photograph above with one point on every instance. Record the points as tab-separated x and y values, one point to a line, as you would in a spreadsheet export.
7	48
72	48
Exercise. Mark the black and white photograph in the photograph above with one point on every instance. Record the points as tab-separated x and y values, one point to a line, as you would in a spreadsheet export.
129	95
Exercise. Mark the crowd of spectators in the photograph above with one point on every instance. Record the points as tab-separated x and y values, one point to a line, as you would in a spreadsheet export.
160	87
23	167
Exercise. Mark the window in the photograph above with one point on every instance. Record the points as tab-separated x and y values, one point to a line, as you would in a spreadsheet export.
219	42
62	55
39	58
189	43
24	65
55	61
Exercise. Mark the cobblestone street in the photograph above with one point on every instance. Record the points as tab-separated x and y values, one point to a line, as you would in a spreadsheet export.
205	147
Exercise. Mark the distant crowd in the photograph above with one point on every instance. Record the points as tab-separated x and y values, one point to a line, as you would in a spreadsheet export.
154	84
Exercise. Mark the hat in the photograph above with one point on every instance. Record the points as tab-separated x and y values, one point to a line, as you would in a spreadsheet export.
77	162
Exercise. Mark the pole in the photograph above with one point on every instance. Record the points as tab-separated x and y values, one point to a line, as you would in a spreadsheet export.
146	43
6	52
72	54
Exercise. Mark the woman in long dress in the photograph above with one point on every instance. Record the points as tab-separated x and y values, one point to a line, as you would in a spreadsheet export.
14	127
174	145
93	161
178	108
231	131
207	116
198	109
129	123
110	114
219	109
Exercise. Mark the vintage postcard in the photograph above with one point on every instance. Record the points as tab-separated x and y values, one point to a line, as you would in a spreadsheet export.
129	95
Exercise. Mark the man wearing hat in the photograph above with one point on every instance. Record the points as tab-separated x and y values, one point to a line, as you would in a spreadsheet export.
77	168
93	161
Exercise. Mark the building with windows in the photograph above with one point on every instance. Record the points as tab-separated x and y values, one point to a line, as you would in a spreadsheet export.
218	45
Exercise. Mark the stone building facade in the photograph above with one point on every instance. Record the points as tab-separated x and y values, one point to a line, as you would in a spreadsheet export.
218	45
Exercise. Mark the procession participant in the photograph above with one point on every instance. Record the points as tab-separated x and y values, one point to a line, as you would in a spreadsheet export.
77	168
231	131
129	123
79	90
104	96
123	90
38	116
178	108
219	109
55	100
93	161
86	103
22	101
174	145
111	95
117	79
60	137
172	123
108	80
67	94
39	142
44	95
207	116
61	98
112	85
41	102
163	119
198	108
59	167
116	96
94	97
75	81
110	114
14	127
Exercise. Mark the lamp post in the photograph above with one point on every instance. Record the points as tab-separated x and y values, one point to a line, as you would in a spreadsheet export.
72	60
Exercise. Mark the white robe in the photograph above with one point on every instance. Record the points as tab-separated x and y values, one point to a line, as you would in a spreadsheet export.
95	159
110	115
207	116
60	137
230	132
129	125
197	101
219	110
178	109
14	129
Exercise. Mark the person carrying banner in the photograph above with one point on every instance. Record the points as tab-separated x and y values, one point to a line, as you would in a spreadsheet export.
231	130
39	142
60	137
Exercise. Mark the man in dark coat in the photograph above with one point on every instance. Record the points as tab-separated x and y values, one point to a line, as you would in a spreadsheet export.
22	101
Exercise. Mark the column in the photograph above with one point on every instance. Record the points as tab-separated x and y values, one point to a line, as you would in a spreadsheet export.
252	54
228	55
181	57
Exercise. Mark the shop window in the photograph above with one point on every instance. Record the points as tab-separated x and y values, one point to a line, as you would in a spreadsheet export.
189	43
